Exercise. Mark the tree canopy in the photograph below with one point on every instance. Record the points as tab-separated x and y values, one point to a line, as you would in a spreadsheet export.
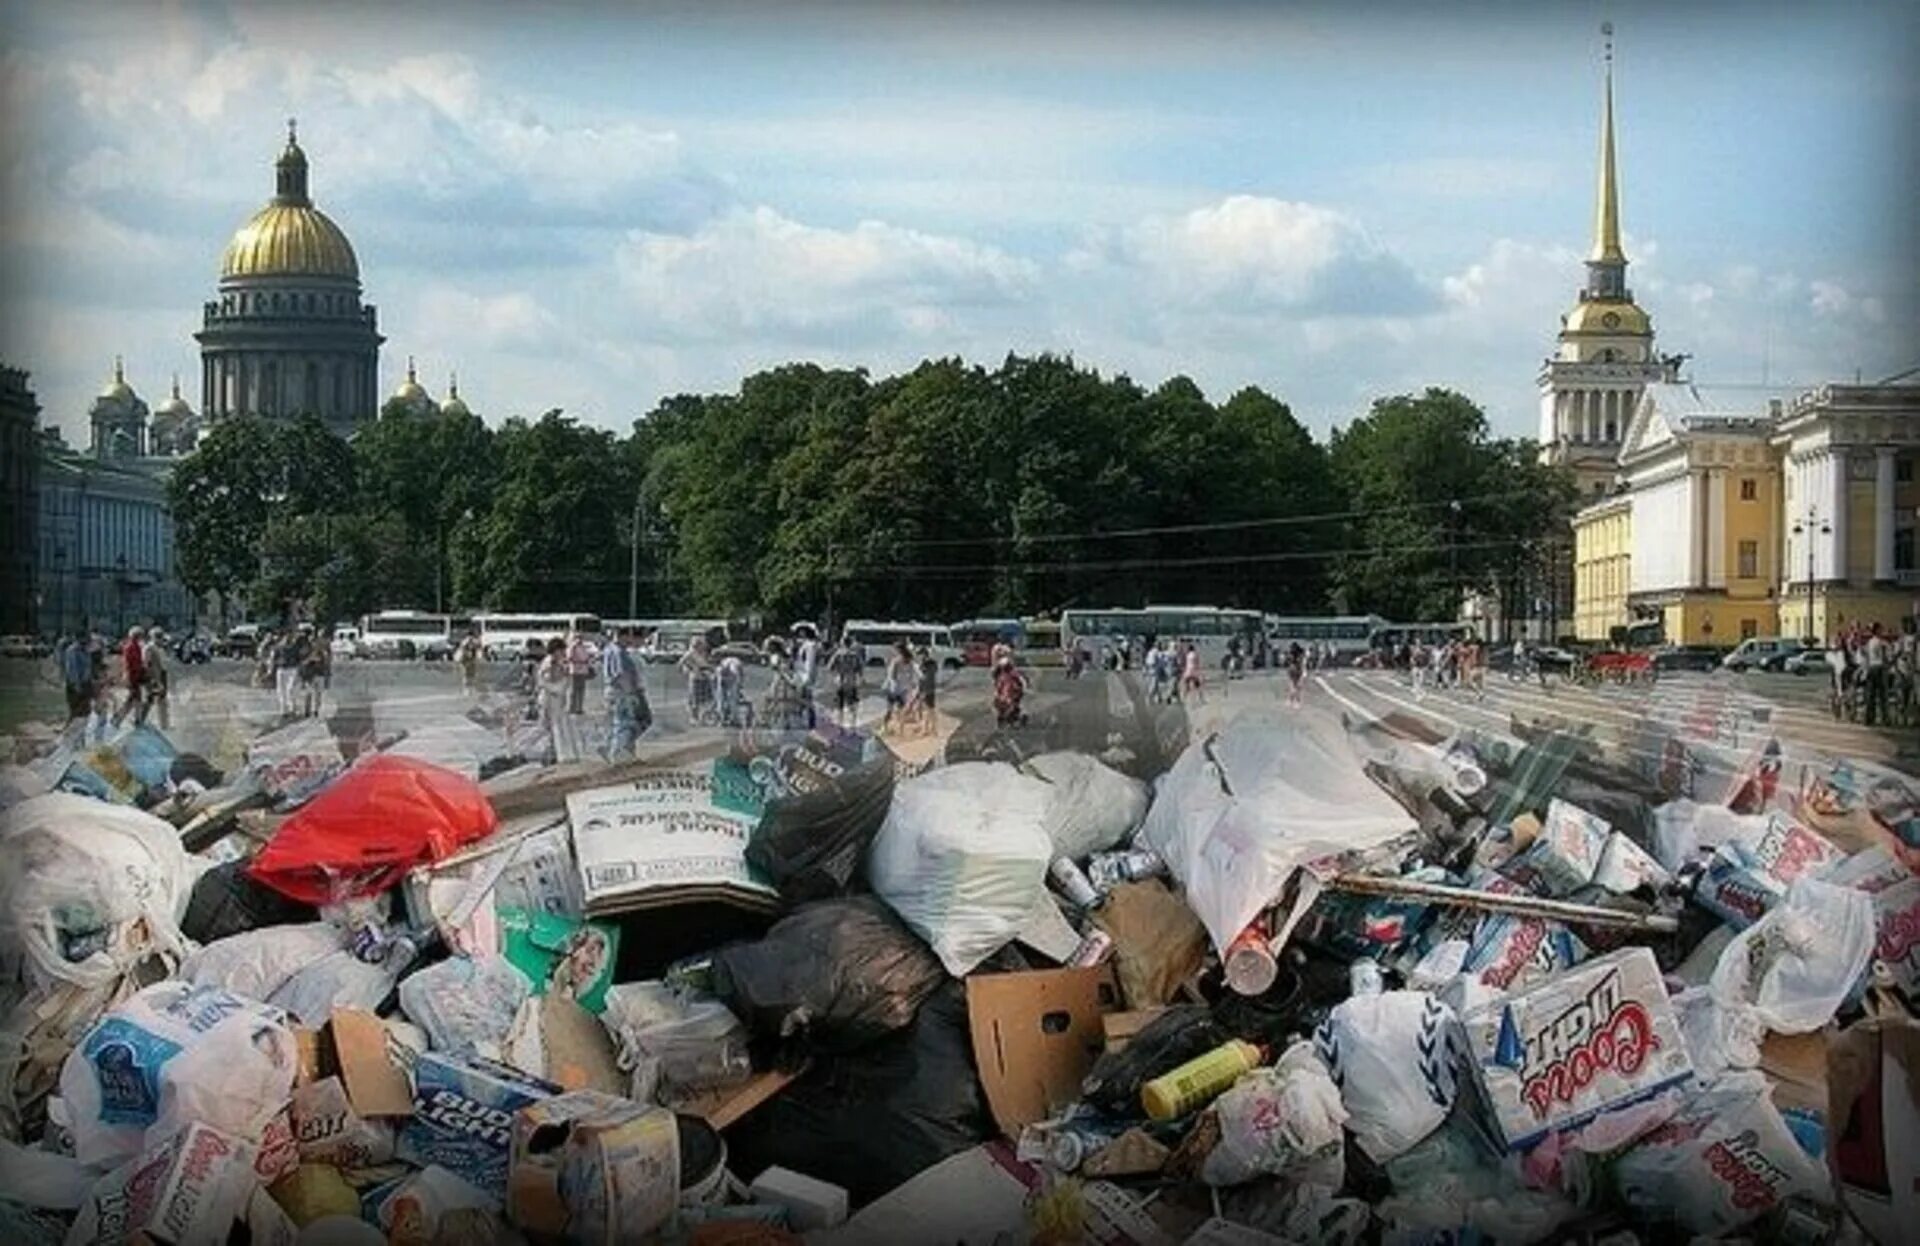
948	490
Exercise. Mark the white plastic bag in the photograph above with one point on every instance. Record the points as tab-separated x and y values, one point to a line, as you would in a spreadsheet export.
1284	1119
1684	829
962	858
1396	1057
337	979
1245	807
88	889
1725	1160
174	1054
466	1005
1798	964
671	1043
256	963
1091	807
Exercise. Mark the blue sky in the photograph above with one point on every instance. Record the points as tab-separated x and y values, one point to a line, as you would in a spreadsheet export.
593	206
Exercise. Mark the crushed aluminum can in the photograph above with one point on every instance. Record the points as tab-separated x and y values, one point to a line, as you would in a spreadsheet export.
1108	870
1073	883
368	943
1093	949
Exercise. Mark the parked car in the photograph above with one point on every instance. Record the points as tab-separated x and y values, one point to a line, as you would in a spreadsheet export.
346	643
1809	661
240	641
24	647
193	649
1760	653
1686	658
745	650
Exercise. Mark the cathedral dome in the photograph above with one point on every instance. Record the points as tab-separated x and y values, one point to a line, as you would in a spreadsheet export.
455	404
117	390
290	237
175	406
410	392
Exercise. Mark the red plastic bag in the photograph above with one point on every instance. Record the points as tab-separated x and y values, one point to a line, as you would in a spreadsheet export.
363	832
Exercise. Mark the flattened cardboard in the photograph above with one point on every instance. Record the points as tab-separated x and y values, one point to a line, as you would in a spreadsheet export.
355	1046
1873	1078
722	1107
1120	1027
1034	1037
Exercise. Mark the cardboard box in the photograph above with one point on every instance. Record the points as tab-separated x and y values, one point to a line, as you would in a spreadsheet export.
1118	1028
463	1114
525	865
1873	1082
724	1105
1597	1038
595	1168
350	1084
185	1192
562	954
661	840
810	1204
1745	879
1565	854
1034	1037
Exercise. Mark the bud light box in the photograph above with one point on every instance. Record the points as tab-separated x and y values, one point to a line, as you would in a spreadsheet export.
463	1117
1897	938
1597	1038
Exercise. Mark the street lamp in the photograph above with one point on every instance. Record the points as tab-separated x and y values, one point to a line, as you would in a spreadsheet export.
1808	527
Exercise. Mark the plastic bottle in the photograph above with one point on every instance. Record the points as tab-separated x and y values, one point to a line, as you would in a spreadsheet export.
1199	1080
1363	976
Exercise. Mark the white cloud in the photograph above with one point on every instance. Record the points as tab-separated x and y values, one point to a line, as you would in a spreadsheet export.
760	272
1252	254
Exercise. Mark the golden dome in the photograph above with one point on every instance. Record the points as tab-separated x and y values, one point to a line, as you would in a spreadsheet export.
290	237
176	405
410	390
117	389
455	404
1608	316
290	240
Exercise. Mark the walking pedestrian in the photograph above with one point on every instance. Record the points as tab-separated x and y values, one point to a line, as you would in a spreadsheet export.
928	693
806	666
628	715
697	666
133	676
579	670
1417	669
76	672
556	715
468	656
848	662
153	661
897	684
313	675
1009	690
1192	677
1159	675
732	679
288	656
1877	653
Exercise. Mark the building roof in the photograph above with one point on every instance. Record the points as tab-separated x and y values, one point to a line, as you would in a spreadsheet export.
290	237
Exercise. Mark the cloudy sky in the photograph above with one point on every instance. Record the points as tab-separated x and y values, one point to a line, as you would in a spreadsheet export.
592	206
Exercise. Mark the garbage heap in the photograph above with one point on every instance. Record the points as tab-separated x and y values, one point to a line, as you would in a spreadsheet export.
1268	977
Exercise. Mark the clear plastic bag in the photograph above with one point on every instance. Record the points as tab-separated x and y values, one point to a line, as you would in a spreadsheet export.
466	1005
1395	1056
1091	807
1798	964
257	963
673	1042
1285	1119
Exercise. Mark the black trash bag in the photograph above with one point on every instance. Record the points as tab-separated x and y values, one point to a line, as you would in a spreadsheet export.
227	902
197	768
1168	1041
872	1120
810	844
833	976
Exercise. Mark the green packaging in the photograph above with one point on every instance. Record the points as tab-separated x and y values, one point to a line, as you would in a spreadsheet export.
564	954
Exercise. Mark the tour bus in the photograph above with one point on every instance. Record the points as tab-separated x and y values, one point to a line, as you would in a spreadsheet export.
507	635
1349	634
1035	642
878	636
667	640
1210	628
409	633
1391	635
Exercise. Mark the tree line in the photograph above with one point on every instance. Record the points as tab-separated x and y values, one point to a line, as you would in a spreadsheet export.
945	491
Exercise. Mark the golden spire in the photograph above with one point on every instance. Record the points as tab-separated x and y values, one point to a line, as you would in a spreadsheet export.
293	138
119	373
1606	219
453	384
176	385
410	379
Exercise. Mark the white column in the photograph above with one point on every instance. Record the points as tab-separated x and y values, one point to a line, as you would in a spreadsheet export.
1696	529
1586	416
1716	482
1838	468
1883	514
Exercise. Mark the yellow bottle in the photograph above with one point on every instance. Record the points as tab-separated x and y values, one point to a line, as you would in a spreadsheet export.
1199	1080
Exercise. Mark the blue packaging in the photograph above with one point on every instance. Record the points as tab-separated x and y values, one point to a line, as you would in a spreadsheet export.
463	1117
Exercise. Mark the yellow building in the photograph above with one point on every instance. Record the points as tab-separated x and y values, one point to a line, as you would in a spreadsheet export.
1602	558
1732	502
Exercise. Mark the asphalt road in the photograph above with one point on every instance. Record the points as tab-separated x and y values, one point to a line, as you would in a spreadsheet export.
215	710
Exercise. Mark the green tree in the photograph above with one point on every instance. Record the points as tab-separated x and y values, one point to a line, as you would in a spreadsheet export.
220	497
554	532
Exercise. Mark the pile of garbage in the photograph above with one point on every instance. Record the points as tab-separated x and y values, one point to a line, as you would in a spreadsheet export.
1265	976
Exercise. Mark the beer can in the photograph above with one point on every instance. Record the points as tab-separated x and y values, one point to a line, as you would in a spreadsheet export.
1139	864
1073	883
368	943
1093	949
1249	963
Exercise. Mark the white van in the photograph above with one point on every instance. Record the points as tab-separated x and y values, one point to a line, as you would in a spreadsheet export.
879	636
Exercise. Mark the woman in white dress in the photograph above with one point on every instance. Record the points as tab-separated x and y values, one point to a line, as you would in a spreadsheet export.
554	684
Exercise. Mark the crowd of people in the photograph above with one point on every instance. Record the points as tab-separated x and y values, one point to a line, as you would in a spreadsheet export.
297	663
93	670
1874	673
1459	664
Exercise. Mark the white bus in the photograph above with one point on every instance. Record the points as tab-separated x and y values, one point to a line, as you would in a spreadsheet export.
1349	634
507	635
1393	635
878	636
409	633
1210	628
667	640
